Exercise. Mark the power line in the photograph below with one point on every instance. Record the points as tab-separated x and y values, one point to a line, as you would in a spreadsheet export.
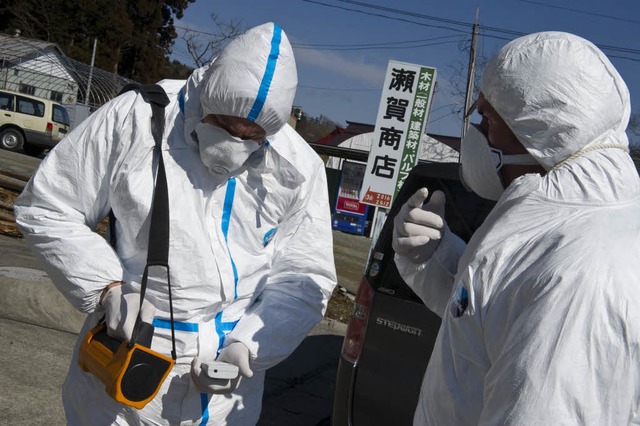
360	45
624	57
405	12
483	28
339	89
195	31
443	107
365	46
423	16
385	16
374	44
584	12
379	47
441	117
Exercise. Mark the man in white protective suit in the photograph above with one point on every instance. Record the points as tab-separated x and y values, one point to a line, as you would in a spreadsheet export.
251	255
540	312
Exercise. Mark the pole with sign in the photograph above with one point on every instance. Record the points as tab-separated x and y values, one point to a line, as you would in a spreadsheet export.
402	118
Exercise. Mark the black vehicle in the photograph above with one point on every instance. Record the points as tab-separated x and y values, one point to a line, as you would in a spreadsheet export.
391	333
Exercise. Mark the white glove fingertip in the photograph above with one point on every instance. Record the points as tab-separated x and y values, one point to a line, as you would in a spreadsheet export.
245	369
416	241
418	197
425	218
237	354
418	231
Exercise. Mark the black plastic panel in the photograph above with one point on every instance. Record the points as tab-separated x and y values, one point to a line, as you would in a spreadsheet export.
399	340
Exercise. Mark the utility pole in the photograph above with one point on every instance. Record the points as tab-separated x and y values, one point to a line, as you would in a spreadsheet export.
470	77
93	57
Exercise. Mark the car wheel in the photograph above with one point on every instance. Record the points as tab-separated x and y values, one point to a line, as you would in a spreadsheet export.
11	140
32	150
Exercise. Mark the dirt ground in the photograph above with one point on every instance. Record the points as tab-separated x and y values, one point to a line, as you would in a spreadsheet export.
350	254
340	307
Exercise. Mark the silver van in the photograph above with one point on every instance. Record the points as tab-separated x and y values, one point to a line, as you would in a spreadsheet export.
31	124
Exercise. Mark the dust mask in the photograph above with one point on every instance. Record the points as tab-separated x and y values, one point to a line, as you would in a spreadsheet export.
220	151
480	164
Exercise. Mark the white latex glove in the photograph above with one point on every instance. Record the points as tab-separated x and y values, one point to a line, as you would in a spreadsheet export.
235	354
121	312
417	229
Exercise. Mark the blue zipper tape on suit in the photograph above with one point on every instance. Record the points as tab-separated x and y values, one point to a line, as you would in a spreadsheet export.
181	100
265	84
204	403
221	328
226	216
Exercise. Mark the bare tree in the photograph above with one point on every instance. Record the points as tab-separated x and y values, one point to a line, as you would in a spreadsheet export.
135	36
314	128
36	18
459	74
204	47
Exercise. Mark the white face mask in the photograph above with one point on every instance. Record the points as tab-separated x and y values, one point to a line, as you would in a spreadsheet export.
480	164
221	152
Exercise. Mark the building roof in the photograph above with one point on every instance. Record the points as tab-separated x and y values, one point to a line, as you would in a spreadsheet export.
17	49
48	60
430	149
339	135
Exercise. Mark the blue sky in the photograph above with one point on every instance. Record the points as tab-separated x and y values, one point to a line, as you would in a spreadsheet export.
342	54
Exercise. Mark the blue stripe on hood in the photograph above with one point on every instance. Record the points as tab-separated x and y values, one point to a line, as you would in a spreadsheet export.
268	74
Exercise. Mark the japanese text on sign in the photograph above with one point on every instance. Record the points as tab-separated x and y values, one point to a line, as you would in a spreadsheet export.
402	117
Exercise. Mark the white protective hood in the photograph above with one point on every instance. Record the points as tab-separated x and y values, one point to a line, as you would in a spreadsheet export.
554	107
259	86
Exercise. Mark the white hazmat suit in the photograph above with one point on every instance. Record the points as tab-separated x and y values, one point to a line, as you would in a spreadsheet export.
541	321
251	256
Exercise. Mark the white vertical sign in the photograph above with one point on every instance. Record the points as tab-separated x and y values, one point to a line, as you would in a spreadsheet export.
402	117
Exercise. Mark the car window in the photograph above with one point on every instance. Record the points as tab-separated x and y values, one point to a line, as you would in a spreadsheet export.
6	101
30	106
60	115
464	213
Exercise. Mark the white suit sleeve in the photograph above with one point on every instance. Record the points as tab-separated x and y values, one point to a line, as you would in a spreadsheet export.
64	201
300	283
432	281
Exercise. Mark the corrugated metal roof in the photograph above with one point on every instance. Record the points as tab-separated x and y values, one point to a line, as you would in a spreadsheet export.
47	62
16	49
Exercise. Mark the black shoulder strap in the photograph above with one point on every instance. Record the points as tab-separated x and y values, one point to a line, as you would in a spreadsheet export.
158	248
155	95
152	93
